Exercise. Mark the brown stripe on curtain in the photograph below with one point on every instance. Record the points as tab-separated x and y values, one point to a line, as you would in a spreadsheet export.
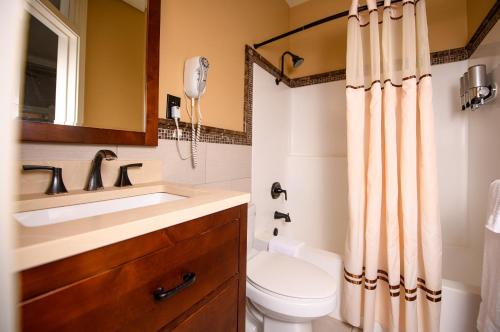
371	284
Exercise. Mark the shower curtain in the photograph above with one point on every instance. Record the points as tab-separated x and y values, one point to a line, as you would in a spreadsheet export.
392	272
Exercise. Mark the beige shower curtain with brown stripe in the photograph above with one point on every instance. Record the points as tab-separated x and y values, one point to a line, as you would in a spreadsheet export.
392	277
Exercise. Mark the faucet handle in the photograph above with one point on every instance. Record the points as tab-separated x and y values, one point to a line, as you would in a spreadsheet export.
123	179
56	185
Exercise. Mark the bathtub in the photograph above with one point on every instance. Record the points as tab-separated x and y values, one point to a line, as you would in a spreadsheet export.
459	306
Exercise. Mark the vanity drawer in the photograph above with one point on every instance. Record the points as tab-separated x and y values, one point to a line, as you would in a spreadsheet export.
122	298
45	278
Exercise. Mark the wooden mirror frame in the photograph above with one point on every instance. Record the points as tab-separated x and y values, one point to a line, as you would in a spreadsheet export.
52	133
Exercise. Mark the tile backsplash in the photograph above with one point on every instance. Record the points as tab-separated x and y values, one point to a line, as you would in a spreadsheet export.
75	174
223	166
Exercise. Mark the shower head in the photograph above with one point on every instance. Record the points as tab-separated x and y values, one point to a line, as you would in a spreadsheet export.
296	62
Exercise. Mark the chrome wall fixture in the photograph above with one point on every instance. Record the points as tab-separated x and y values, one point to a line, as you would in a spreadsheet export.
475	90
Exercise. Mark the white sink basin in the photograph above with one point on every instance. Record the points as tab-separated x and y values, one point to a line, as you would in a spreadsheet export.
57	215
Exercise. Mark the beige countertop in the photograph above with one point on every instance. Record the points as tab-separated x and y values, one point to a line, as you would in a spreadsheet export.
39	245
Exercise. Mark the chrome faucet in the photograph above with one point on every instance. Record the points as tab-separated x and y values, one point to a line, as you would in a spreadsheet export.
94	182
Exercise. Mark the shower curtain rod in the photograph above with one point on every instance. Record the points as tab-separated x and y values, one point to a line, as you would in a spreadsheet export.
316	23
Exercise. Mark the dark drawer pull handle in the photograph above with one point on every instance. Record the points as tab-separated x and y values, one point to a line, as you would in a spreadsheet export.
161	294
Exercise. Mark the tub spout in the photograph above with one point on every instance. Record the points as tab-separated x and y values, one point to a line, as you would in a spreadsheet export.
279	215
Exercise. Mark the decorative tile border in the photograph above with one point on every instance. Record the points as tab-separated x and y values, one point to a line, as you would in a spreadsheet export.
166	130
448	56
336	75
252	56
166	127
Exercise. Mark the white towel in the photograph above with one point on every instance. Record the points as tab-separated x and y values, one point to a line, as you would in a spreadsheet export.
285	246
489	311
493	223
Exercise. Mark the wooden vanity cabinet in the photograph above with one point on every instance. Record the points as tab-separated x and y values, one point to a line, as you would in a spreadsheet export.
188	277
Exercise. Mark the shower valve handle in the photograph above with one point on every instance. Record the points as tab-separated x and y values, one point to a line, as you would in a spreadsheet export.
276	191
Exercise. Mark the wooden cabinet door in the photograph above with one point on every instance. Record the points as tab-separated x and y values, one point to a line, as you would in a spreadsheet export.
218	315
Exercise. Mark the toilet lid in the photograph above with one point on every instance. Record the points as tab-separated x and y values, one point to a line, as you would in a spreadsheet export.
289	276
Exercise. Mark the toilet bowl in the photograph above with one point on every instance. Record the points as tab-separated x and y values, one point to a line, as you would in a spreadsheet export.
285	294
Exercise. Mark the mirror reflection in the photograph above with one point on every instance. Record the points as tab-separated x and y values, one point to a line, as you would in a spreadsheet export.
85	63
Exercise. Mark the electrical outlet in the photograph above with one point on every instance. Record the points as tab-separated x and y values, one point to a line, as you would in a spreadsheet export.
172	101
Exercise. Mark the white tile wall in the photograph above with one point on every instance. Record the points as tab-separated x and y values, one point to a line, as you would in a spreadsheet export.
178	170
317	166
227	162
318	120
318	201
452	155
299	139
271	107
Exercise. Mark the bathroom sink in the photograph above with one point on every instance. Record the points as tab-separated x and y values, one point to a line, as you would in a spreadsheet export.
61	214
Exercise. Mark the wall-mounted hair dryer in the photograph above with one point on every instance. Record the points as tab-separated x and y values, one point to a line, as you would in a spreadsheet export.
195	85
195	77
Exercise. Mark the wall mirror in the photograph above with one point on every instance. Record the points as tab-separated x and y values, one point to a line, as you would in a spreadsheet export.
91	72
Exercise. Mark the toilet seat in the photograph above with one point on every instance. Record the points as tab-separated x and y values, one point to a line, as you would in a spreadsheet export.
284	286
289	276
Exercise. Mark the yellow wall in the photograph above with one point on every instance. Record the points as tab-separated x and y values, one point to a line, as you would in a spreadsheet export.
115	66
447	21
476	12
218	30
324	49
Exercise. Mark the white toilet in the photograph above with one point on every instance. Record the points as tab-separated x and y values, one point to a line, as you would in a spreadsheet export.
284	293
